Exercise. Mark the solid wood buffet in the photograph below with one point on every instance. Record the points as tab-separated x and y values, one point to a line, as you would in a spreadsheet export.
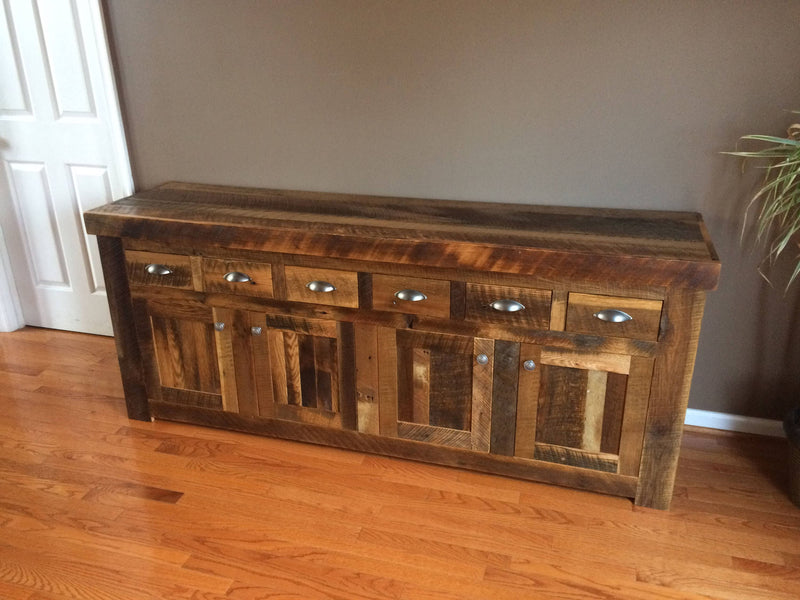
550	344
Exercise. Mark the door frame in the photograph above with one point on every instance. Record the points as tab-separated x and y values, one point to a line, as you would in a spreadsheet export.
11	315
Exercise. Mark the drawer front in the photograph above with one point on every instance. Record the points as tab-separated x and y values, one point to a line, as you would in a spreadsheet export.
505	305
412	295
237	277
157	269
322	286
613	316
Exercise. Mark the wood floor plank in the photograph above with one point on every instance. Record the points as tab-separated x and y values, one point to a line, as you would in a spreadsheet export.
96	507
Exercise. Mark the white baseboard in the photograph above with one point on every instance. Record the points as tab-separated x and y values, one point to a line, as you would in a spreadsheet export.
716	420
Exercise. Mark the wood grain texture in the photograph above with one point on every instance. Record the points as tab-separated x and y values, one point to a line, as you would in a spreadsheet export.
367	382
596	390
179	267
576	458
527	401
562	406
344	282
482	386
225	359
504	397
644	324
660	248
589	361
669	397
637	395
536	303
123	321
388	381
260	274
436	291
186	351
91	501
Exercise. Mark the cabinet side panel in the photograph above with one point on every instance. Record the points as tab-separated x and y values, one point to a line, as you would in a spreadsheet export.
112	258
669	397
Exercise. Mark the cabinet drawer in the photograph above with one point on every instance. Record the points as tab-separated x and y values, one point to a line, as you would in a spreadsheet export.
322	286
613	316
237	277
157	269
508	305
412	295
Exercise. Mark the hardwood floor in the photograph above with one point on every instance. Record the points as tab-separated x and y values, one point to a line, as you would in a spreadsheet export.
96	507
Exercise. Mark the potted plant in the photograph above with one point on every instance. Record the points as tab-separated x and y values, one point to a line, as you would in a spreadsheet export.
776	206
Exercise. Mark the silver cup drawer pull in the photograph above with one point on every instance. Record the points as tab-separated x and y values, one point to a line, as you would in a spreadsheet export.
612	315
410	295
506	305
156	269
238	277
323	287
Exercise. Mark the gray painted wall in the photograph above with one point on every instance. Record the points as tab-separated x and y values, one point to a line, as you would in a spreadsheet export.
590	103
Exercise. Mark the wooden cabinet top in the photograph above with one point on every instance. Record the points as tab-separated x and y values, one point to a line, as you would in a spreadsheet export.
627	247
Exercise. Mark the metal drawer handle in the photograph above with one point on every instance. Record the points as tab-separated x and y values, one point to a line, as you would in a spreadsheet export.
156	269
410	295
507	305
322	287
612	315
238	277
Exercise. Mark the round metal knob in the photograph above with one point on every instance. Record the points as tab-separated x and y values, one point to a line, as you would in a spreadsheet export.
410	295
482	359
321	286
529	365
506	305
156	269
238	277
219	326
612	315
255	330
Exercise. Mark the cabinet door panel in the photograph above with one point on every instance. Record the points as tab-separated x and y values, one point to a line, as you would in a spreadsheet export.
428	388
583	409
186	358
310	367
562	406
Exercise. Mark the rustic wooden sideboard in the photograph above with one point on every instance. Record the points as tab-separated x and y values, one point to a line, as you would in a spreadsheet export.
550	344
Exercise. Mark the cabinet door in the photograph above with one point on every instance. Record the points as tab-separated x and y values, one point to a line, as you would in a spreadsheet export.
304	369
581	409
185	365
433	388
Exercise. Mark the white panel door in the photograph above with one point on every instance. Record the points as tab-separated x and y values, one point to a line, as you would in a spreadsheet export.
63	152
